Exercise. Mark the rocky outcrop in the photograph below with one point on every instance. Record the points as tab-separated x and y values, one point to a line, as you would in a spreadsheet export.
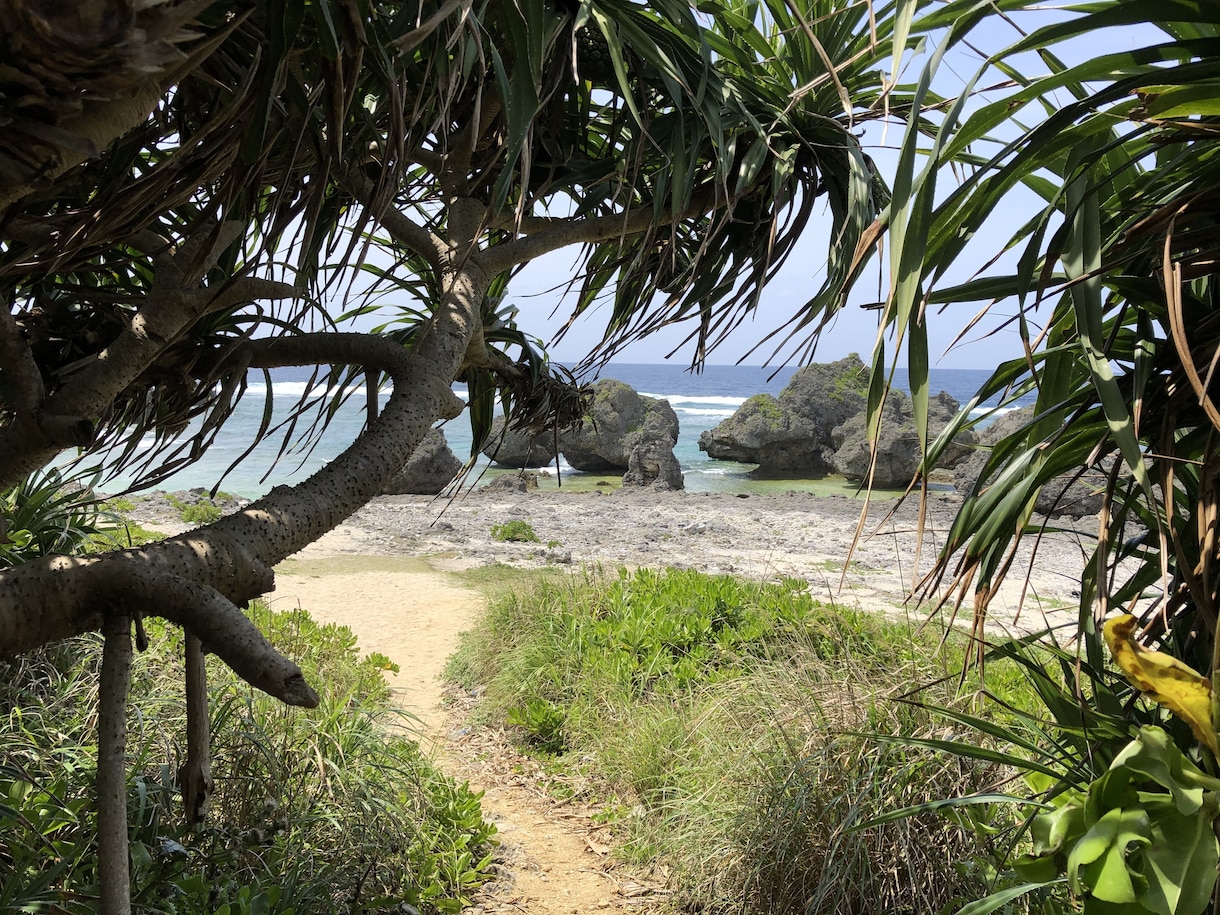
618	418
513	448
431	468
898	448
512	482
1064	496
792	434
652	463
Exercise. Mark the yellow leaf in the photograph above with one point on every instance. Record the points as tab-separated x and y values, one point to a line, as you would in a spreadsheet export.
1165	679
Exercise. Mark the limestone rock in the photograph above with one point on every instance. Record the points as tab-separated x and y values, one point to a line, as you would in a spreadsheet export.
512	448
513	482
898	450
792	433
652	463
430	469
617	419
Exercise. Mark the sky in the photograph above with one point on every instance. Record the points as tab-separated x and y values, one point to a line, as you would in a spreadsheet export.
537	291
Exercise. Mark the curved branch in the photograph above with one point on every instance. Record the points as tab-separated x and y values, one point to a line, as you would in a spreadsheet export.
227	633
409	234
196	578
146	580
545	235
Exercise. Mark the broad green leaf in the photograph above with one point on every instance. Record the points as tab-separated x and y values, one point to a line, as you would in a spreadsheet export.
1097	864
1051	832
1154	756
1180	861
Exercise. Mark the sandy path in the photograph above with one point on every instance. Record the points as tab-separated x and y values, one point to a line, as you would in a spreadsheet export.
396	605
553	860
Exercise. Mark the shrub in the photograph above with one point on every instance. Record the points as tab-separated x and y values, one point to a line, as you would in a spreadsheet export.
729	718
514	531
314	811
121	505
204	511
46	515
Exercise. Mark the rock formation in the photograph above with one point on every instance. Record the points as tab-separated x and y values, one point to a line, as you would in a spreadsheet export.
512	448
431	468
618	418
524	481
898	450
652	463
792	434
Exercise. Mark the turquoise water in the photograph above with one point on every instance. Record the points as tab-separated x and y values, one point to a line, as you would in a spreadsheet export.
700	402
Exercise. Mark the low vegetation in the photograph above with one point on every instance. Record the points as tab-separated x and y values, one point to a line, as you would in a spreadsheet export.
333	809
202	510
514	532
741	732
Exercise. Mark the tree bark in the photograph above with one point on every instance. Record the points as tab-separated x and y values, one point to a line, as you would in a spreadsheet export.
199	579
113	871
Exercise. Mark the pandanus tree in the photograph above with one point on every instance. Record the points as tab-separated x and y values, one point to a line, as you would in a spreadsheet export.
1110	278
187	187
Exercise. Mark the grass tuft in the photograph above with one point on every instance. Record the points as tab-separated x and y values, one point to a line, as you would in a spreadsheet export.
726	726
514	532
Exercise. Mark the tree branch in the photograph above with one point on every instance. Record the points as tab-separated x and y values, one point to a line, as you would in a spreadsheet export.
559	233
183	266
409	234
426	158
195	579
250	289
168	579
469	139
20	369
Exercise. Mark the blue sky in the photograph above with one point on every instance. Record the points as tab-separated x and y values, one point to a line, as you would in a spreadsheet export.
537	292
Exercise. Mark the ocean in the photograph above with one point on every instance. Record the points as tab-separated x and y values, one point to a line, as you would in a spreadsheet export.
700	401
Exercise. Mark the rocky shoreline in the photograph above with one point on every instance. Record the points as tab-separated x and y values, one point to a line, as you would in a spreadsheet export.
794	534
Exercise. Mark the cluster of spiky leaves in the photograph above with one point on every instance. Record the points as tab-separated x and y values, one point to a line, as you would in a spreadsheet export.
1114	284
299	122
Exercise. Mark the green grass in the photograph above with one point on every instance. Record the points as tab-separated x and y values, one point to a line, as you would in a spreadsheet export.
120	505
315	811
514	532
763	405
724	725
204	511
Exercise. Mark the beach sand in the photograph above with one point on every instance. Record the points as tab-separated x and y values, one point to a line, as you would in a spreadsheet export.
795	534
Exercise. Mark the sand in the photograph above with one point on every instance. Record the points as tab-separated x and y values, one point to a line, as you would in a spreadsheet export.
793	534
